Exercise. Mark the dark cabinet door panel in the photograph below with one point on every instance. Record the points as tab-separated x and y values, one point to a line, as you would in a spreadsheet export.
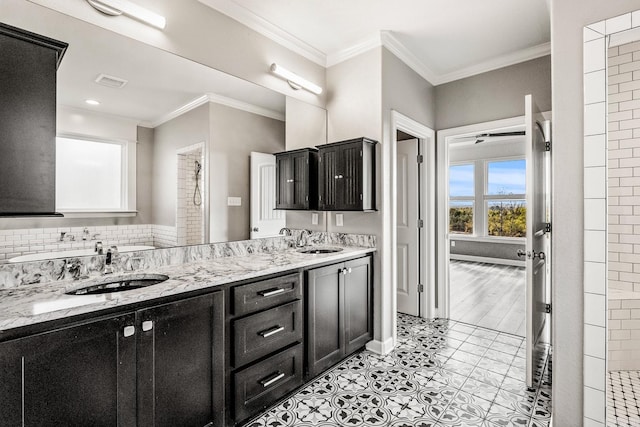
357	302
352	178
328	178
259	385
296	173
266	332
325	318
81	375
180	379
265	293
284	181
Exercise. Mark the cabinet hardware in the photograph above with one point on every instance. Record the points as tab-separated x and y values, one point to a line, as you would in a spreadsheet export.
129	330
335	177
272	331
349	270
340	176
147	325
272	379
344	271
271	292
289	180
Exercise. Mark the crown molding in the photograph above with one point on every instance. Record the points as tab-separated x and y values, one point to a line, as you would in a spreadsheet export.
222	100
267	29
496	63
394	46
245	106
355	50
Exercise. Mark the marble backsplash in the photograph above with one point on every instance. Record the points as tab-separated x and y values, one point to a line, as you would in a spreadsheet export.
29	273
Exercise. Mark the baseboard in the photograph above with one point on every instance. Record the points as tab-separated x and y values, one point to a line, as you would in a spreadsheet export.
381	347
488	260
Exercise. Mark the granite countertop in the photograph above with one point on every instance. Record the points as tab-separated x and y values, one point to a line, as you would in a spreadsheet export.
28	305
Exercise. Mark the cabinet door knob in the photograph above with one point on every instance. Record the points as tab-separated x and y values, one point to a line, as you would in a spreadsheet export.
147	325
336	177
344	271
349	270
129	330
340	176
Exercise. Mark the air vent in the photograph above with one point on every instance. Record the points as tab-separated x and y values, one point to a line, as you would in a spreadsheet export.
111	81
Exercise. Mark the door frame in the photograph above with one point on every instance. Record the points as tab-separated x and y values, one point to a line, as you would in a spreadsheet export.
445	140
427	146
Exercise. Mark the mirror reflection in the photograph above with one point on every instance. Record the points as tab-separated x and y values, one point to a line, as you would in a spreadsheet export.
153	150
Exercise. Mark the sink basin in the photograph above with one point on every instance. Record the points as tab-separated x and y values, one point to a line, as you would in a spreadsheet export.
313	250
105	285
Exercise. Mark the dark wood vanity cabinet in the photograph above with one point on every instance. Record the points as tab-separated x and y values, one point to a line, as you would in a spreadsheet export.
180	370
296	179
28	66
160	366
338	312
347	175
266	324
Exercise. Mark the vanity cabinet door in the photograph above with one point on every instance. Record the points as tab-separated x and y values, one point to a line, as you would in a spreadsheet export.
76	376
325	318
357	304
339	312
180	363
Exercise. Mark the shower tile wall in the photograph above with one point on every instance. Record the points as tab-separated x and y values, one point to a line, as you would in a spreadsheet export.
188	214
624	206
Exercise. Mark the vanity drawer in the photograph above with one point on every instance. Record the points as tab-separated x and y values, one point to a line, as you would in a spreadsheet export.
265	332
265	294
259	386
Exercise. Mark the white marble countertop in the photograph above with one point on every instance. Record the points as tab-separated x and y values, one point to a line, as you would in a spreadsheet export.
28	305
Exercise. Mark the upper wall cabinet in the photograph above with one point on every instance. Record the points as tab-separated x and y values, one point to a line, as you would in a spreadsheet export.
28	66
347	175
296	179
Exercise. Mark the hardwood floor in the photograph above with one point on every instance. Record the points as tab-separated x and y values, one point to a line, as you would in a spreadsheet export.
488	295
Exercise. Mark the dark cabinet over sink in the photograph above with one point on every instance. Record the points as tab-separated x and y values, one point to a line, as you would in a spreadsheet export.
28	67
347	175
296	179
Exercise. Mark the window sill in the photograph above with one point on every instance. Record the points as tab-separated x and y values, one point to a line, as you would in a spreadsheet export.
489	239
98	214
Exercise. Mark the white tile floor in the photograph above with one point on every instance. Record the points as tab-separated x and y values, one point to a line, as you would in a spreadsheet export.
623	395
442	373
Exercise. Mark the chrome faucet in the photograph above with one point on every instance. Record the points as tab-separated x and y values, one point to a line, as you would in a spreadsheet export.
303	238
98	248
284	231
111	252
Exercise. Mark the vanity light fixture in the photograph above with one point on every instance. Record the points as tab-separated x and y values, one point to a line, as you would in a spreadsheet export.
295	81
132	10
92	102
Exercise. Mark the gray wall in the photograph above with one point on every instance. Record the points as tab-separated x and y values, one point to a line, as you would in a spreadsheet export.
568	17
144	171
187	129
234	135
494	95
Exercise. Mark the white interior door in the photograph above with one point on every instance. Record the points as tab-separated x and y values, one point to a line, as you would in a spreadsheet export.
407	248
536	258
265	220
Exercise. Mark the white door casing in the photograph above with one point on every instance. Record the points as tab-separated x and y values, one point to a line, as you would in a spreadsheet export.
265	220
536	259
407	246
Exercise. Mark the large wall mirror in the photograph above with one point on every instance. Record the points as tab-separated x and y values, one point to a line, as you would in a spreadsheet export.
153	149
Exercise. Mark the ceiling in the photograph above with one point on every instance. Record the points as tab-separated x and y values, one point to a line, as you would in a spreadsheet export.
442	40
160	85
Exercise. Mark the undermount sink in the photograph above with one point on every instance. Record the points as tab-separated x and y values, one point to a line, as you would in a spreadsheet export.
313	250
105	285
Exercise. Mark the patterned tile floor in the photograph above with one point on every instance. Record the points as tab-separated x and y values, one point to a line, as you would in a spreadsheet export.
442	373
623	393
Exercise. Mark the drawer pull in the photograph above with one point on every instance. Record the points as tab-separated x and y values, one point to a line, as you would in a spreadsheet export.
270	380
271	292
271	331
147	325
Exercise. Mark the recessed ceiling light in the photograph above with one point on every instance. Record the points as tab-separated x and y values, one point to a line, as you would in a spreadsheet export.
92	102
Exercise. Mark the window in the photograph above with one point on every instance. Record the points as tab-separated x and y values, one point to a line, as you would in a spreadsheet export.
90	175
505	198
461	198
